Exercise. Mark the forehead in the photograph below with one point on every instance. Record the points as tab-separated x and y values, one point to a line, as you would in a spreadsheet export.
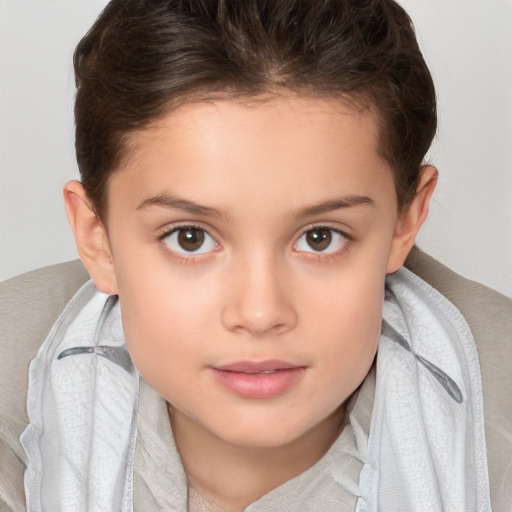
272	145
273	111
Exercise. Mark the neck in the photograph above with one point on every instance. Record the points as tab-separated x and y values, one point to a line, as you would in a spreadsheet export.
230	476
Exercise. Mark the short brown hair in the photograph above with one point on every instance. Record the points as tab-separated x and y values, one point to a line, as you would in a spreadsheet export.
141	57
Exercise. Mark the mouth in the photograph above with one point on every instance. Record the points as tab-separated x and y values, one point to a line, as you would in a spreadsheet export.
252	367
265	379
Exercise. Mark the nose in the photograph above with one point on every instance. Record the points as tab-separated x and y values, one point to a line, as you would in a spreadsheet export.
258	301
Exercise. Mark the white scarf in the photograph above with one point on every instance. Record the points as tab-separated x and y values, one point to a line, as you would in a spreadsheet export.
426	449
82	401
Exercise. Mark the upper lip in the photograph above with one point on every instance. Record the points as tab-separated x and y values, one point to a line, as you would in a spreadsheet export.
257	366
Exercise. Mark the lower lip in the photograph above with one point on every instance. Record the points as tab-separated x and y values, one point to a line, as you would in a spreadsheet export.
259	385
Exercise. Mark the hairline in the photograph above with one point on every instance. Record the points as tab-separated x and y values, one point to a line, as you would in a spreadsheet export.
356	103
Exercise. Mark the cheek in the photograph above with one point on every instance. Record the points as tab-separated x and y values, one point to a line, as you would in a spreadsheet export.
351	316
166	320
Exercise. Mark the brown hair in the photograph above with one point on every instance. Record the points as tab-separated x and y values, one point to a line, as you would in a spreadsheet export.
142	57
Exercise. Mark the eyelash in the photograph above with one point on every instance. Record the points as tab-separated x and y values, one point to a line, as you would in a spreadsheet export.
198	256
325	255
181	257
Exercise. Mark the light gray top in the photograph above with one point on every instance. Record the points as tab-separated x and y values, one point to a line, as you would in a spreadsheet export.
330	485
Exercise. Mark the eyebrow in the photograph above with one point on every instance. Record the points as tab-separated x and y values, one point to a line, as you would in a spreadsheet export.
176	203
335	204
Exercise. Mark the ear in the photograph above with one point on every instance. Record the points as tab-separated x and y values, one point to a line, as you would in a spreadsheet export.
411	218
91	237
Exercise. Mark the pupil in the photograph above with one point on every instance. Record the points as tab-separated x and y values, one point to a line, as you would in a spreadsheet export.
190	239
319	239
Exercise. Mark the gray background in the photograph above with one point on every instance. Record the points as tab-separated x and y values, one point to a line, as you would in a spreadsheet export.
467	43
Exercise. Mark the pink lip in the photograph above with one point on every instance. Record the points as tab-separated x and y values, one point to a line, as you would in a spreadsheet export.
245	378
256	366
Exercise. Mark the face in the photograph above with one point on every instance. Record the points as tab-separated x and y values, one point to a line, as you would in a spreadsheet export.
250	242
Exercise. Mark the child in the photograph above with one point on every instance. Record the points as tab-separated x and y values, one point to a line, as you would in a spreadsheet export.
253	180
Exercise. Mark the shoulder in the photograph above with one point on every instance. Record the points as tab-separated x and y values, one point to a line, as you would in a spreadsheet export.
29	306
489	316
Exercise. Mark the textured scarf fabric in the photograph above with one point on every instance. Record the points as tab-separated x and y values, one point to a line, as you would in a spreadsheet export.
425	451
82	401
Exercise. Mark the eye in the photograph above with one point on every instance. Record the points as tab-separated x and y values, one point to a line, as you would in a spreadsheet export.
189	240
321	239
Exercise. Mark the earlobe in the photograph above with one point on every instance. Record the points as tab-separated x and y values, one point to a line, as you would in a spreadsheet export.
90	237
411	218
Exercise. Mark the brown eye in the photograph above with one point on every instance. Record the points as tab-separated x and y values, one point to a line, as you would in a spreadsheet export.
189	240
321	239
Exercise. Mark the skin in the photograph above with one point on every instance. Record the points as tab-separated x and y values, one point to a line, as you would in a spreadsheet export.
255	290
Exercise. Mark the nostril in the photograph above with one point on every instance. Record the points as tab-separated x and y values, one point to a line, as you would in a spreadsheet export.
258	301
277	320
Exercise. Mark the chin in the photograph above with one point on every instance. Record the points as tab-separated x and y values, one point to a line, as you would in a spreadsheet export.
255	433
266	440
